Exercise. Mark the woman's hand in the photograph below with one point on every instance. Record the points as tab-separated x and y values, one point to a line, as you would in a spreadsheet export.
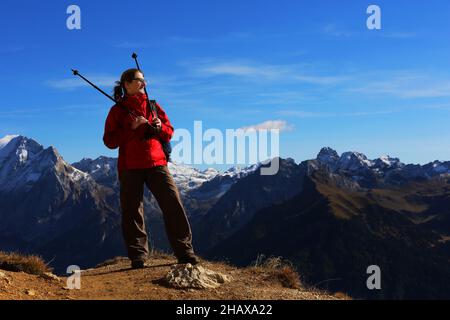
137	122
156	123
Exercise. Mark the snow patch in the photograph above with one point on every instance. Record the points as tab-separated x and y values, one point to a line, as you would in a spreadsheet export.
353	161
77	175
189	178
6	139
22	154
439	168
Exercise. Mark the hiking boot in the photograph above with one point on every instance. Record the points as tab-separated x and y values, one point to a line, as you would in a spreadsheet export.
137	264
192	259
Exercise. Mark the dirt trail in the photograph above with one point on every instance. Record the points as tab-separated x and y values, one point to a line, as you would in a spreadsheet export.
116	280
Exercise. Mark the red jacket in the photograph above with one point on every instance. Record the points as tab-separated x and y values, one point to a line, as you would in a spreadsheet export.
134	151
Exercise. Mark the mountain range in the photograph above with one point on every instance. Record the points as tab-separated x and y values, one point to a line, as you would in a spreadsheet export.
331	216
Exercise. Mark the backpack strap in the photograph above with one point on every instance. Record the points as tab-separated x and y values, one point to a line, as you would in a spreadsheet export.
167	148
153	108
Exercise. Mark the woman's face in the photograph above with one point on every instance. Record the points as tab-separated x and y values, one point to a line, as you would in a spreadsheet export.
137	85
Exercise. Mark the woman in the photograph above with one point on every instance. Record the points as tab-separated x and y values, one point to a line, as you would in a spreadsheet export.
128	126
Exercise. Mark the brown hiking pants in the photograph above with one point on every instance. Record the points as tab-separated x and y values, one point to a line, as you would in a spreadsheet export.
162	186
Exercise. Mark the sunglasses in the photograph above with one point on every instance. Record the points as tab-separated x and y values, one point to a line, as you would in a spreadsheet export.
141	80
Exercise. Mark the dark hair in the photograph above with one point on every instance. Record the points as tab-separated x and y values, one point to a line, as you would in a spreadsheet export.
127	76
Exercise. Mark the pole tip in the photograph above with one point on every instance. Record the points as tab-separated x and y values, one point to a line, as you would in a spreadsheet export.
134	55
74	71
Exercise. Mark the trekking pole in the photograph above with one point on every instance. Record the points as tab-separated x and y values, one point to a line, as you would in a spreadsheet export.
76	73
152	107
165	145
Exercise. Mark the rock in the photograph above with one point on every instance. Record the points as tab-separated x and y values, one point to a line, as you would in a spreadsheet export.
50	276
189	276
30	292
5	279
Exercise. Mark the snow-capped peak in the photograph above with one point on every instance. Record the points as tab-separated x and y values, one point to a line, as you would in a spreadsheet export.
189	178
353	161
19	149
23	162
6	139
386	161
210	171
97	167
240	172
385	158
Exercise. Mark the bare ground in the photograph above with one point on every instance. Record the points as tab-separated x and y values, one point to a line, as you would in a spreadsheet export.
116	280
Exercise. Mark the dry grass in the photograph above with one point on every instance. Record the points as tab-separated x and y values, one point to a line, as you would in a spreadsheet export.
25	263
280	269
288	277
342	296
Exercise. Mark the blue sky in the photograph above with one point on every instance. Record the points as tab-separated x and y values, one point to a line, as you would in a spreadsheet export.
313	66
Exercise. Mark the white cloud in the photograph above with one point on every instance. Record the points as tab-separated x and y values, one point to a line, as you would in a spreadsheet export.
409	86
267	72
441	90
302	114
334	31
321	80
271	124
236	69
307	114
74	83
